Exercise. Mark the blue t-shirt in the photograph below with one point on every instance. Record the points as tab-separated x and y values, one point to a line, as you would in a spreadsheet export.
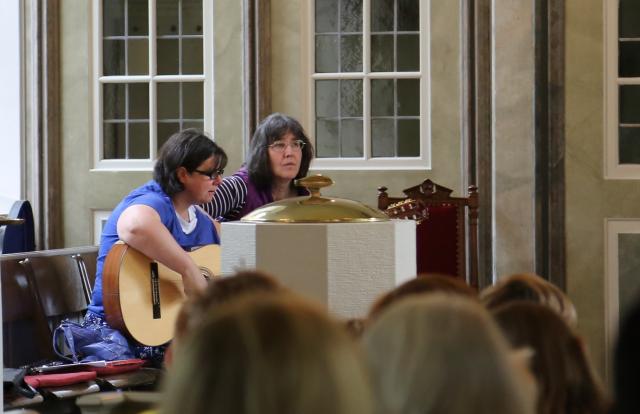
149	194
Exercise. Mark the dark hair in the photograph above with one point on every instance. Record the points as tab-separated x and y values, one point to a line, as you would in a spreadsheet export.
424	283
187	148
566	381
271	129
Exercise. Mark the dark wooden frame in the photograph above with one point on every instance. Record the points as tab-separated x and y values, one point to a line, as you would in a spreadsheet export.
549	141
258	62
477	131
43	143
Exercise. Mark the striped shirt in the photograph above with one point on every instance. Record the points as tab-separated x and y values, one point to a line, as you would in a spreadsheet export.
228	200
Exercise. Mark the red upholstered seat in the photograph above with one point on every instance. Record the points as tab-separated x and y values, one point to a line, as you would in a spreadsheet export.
434	237
443	239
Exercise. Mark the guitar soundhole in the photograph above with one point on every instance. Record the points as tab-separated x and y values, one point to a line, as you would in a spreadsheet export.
206	273
155	291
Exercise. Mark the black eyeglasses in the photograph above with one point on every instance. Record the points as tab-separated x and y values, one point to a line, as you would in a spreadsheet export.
212	175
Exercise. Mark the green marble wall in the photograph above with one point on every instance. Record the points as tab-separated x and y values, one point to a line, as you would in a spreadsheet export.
590	199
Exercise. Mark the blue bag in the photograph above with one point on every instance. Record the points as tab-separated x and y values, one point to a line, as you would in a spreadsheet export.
90	343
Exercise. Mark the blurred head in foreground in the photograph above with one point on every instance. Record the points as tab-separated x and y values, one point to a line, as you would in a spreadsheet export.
268	353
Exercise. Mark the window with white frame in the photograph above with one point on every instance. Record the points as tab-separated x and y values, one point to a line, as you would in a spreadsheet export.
153	76
623	89
370	84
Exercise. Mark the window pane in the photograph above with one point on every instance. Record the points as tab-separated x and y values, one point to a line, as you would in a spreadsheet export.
629	148
408	97
629	16
327	138
351	16
113	18
326	16
408	53
629	104
139	140
382	15
382	53
138	101
114	101
382	97
138	16
193	100
167	17
167	56
629	59
326	98
193	124
168	100
350	98
408	15
628	270
165	130
138	57
192	17
408	138
351	53
382	138
326	53
114	142
192	56
113	57
351	138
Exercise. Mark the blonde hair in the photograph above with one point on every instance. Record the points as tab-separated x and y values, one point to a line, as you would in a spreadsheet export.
220	290
268	353
444	354
530	287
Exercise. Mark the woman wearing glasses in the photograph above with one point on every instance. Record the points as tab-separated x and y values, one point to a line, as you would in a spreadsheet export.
160	218
279	153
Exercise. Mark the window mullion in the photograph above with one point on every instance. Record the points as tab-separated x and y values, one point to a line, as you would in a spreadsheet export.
126	73
153	105
98	105
425	82
180	60
628	81
209	63
366	83
180	31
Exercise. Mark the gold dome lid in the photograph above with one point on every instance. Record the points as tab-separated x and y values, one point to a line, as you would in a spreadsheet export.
315	208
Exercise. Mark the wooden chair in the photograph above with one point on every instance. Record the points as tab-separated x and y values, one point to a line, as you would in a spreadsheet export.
442	245
20	237
39	289
25	333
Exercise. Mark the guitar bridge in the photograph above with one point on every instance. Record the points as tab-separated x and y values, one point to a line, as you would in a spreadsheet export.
155	290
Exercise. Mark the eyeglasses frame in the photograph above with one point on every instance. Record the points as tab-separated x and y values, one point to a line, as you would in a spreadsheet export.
299	142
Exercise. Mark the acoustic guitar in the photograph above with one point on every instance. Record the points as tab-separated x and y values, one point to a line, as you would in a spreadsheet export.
142	297
408	209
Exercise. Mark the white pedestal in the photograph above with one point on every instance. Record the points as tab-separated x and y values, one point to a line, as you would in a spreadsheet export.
345	266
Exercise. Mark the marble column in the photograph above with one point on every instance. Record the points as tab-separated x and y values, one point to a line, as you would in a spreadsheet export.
513	136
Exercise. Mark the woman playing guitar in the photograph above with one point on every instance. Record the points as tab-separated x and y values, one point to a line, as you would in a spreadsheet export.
160	218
